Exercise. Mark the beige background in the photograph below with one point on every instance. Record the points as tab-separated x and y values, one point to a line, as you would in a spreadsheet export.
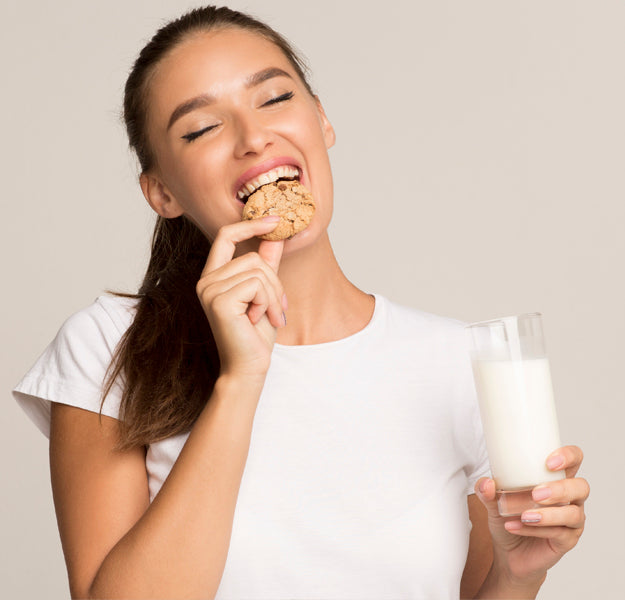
480	142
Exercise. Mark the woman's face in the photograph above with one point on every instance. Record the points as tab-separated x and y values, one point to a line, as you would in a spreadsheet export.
224	107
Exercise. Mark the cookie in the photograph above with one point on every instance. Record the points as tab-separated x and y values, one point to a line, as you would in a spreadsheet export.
289	199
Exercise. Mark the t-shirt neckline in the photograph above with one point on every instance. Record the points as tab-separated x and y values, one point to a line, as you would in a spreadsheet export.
366	330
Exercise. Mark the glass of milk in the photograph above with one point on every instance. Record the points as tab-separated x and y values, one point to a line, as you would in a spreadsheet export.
515	395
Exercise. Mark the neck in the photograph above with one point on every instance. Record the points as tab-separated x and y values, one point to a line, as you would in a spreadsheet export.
323	304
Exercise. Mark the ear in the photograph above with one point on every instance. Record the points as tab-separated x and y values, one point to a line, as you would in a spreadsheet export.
328	130
159	197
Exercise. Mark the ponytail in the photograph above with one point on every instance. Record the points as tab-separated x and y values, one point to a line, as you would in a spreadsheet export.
167	360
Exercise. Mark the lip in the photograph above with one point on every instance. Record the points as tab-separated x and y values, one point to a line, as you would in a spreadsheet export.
263	167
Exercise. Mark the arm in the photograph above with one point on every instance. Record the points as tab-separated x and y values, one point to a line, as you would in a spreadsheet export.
98	494
116	544
480	554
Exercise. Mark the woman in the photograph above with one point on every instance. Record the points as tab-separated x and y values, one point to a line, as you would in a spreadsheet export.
241	454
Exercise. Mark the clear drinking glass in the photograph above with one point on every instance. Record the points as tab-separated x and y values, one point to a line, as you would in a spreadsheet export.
515	395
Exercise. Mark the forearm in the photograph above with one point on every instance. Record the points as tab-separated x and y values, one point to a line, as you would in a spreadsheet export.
179	546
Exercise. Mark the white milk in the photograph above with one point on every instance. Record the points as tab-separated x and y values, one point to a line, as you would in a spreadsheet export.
519	418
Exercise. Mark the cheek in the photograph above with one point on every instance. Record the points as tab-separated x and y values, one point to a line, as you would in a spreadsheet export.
195	183
304	128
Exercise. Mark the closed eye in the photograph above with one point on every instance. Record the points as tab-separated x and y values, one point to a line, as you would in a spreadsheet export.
196	134
277	99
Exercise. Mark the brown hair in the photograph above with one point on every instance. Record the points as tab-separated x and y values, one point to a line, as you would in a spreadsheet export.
167	360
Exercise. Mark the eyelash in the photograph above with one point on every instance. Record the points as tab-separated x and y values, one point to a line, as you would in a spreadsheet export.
281	98
189	137
196	134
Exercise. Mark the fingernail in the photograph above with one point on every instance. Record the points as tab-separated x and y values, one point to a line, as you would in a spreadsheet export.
513	525
285	304
482	487
284	318
271	218
555	462
531	517
541	493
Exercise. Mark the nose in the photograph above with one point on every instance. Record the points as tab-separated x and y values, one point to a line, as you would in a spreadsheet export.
253	136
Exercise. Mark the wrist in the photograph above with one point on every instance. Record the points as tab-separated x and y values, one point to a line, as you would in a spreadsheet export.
501	583
239	386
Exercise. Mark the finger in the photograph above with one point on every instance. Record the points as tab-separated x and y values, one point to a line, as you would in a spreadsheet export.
247	262
560	538
224	246
271	252
572	516
485	490
244	295
272	309
255	313
561	492
568	458
271	302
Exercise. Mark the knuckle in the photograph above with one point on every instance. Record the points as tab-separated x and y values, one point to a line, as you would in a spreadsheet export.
225	230
258	288
578	532
222	233
250	260
218	303
256	277
586	487
253	257
202	293
258	273
569	490
202	286
574	455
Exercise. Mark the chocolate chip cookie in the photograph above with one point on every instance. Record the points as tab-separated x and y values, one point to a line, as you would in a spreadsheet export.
289	199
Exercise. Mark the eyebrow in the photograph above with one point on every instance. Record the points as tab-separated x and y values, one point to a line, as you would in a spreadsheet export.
206	99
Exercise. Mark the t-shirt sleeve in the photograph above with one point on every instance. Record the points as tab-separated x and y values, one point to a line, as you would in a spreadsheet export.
72	369
469	430
480	466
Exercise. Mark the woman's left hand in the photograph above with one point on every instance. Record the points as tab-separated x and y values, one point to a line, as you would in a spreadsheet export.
526	546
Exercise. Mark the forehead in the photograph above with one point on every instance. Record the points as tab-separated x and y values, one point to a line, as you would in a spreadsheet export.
216	63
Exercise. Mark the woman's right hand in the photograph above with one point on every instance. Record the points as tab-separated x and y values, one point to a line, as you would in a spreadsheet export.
243	298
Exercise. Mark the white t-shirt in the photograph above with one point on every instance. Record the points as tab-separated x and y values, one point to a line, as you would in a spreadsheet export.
362	455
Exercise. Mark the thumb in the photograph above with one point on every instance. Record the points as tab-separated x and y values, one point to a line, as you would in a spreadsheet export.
271	252
485	491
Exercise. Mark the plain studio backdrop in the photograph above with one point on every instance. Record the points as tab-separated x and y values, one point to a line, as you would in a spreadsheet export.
478	172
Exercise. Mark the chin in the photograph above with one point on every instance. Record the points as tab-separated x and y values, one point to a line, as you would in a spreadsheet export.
313	235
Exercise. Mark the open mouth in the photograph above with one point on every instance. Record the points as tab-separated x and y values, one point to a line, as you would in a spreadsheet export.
284	172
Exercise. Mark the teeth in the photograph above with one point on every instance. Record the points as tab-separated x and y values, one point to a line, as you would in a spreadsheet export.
265	178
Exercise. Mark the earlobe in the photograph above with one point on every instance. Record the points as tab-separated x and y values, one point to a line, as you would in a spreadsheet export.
159	197
328	130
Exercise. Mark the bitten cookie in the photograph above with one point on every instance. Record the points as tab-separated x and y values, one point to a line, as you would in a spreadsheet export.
289	199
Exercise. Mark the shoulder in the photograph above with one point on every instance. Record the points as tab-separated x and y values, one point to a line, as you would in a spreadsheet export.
73	367
86	342
109	316
412	321
92	333
430	344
